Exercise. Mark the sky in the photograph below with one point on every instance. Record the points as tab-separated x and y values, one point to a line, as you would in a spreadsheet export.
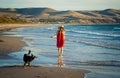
62	4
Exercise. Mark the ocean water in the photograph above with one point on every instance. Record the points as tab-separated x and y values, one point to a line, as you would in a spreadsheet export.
91	47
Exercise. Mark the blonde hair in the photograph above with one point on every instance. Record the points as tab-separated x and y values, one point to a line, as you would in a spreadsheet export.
61	27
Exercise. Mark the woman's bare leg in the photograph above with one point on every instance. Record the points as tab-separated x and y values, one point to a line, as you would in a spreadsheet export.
58	51
61	51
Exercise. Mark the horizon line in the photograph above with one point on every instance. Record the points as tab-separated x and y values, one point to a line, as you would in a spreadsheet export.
54	9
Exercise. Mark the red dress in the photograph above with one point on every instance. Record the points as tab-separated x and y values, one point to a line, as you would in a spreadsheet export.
60	39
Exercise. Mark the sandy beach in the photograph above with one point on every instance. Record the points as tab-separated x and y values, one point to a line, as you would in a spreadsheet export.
12	44
6	27
40	72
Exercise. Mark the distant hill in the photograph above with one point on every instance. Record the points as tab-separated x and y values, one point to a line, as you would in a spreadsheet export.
48	15
7	20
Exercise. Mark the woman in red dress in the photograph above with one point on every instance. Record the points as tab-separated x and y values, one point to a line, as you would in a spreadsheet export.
60	40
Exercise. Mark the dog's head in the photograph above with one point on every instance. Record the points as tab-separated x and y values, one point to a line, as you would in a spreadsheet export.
32	57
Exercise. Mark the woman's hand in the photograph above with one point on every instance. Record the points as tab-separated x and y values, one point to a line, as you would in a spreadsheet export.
54	36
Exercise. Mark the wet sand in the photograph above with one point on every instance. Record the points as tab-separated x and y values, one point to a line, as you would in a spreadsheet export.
10	44
40	72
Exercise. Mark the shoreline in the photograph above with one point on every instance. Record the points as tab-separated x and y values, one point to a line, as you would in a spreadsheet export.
6	27
9	45
13	44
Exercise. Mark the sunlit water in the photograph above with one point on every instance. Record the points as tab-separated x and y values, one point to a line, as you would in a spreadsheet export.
92	47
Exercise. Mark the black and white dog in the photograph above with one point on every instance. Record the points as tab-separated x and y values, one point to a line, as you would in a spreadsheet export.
27	59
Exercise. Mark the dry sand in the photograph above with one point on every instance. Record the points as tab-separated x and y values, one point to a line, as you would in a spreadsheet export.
12	44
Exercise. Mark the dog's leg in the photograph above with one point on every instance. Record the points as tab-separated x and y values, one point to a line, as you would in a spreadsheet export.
28	63
24	65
